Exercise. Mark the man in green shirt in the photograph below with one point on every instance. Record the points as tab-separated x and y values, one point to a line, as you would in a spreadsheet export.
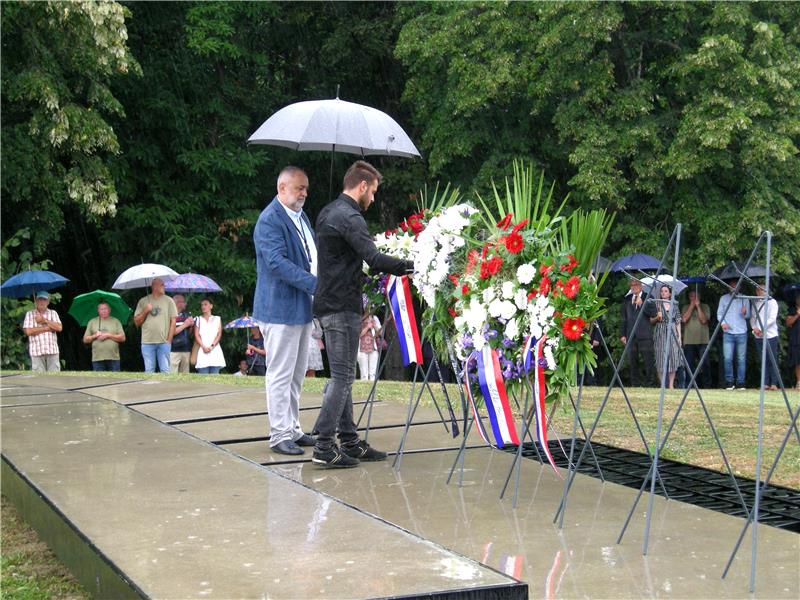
155	314
105	334
695	317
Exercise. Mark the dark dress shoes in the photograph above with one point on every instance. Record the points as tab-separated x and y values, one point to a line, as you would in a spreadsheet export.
287	447
306	440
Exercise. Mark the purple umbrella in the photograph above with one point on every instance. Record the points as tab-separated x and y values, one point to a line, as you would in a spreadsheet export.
634	262
187	283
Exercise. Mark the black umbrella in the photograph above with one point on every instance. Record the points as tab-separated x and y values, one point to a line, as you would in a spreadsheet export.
734	269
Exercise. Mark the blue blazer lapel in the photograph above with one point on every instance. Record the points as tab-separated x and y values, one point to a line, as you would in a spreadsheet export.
291	232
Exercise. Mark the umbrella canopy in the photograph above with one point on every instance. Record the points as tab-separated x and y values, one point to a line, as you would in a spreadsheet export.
694	279
142	276
601	264
733	269
641	262
186	283
244	322
648	283
335	125
789	293
84	307
26	283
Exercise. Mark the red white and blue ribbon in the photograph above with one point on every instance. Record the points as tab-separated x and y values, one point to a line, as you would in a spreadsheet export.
490	379
533	360
398	293
475	415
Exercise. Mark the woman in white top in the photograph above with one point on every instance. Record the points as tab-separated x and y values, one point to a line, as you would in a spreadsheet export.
368	341
207	332
764	323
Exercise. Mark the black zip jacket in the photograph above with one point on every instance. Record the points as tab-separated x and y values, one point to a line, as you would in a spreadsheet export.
343	242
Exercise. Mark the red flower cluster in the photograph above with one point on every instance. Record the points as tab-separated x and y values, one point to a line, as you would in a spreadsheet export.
570	265
571	287
472	260
573	328
504	222
414	223
544	286
491	267
513	242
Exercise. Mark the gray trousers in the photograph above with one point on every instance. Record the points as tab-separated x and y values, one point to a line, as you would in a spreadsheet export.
45	363
287	358
341	343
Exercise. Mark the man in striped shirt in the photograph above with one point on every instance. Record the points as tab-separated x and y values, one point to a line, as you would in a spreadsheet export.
41	326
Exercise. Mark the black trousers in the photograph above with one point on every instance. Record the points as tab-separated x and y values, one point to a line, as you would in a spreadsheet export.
694	352
641	375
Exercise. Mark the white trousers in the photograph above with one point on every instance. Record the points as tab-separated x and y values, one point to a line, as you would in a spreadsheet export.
367	364
287	358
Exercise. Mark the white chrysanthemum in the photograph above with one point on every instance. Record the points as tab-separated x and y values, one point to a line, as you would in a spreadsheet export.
548	355
478	342
496	307
521	299
536	329
507	310
526	273
508	290
512	329
475	315
488	295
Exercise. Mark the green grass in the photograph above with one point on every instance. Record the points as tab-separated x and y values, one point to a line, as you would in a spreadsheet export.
30	571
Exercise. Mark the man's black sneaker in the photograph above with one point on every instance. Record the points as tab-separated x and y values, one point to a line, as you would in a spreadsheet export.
364	452
333	459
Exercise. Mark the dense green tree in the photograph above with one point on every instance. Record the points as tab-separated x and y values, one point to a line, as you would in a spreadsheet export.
59	59
666	112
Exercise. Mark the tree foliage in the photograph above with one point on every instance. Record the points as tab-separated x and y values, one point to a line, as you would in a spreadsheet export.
124	126
666	112
59	59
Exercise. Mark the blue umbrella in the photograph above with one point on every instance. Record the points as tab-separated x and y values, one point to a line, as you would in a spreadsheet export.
244	322
634	262
28	282
693	279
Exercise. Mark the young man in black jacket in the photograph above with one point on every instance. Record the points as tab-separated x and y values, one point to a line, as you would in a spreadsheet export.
343	243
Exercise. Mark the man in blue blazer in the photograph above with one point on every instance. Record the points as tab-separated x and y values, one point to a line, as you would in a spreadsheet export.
286	261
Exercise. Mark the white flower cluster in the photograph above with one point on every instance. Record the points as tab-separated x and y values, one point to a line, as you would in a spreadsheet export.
434	247
506	308
399	245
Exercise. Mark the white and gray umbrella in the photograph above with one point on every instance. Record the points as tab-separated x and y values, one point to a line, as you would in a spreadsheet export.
336	126
142	275
648	283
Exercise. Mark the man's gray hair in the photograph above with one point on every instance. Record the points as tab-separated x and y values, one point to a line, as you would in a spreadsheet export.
289	171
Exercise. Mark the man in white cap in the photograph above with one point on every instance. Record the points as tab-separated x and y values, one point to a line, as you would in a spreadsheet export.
41	326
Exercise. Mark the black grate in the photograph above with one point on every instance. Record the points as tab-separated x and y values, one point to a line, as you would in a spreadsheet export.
779	507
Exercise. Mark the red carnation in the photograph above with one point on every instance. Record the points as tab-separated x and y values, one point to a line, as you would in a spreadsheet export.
513	243
464	289
544	286
572	287
570	265
519	226
472	260
491	267
415	224
545	269
404	226
453	277
573	328
505	222
532	294
452	312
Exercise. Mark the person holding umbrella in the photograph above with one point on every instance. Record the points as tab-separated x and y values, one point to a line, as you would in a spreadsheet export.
105	334
41	326
733	313
156	314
